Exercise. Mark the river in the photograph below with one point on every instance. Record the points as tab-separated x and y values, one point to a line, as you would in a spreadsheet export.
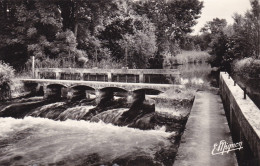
57	134
35	131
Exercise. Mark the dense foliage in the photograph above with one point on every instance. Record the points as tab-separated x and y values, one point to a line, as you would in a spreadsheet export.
6	75
231	43
87	33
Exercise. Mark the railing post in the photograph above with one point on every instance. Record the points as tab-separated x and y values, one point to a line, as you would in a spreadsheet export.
109	77
33	67
141	78
57	75
82	76
36	73
244	92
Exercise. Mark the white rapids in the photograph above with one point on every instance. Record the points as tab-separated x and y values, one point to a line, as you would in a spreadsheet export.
40	141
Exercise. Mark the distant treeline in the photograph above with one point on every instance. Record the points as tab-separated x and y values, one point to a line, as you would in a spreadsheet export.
235	47
90	33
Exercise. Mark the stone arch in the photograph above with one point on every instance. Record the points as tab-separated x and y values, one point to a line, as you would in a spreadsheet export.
35	89
30	86
81	87
148	91
114	89
56	86
54	91
80	92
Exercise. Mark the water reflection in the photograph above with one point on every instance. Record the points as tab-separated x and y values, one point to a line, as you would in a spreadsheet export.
194	74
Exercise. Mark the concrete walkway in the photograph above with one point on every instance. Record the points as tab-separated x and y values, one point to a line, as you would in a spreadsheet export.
206	126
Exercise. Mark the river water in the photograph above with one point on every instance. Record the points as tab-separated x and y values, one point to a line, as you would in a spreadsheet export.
197	75
42	141
39	132
57	134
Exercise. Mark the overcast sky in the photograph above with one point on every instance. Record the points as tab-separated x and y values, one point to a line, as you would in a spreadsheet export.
221	9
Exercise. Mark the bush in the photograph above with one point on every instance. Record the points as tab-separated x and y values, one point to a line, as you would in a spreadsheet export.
247	67
6	75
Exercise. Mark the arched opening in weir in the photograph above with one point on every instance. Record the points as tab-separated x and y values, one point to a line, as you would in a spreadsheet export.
32	88
118	92
81	92
55	91
140	95
109	94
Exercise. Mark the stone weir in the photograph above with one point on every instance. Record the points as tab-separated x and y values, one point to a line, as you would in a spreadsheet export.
84	89
83	83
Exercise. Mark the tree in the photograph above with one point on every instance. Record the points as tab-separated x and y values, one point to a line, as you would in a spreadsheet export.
37	27
6	75
125	31
215	26
255	18
218	46
173	20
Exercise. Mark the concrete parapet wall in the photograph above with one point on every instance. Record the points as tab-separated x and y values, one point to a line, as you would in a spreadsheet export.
107	75
244	120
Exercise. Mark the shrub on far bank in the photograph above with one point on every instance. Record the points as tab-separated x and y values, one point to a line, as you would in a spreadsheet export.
6	75
187	57
247	67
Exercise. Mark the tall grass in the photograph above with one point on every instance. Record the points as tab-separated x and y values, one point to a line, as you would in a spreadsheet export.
187	57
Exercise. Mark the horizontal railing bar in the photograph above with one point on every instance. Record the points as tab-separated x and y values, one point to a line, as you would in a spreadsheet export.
113	71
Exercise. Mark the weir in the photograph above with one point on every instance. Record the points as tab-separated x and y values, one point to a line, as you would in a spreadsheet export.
80	83
137	112
243	118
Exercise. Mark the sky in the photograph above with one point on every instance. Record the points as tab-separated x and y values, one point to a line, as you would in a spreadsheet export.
221	9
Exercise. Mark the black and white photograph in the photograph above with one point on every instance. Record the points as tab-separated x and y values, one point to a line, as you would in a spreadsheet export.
129	82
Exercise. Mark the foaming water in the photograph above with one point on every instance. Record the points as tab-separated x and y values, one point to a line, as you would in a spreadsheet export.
75	113
32	140
110	116
46	110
